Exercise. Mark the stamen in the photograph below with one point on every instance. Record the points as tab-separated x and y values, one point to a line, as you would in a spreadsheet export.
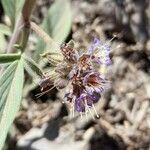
86	106
86	110
81	115
42	93
95	111
71	113
73	107
108	42
42	89
91	112
114	36
86	115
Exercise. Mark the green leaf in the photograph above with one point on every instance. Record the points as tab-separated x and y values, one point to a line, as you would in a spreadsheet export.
10	93
31	67
7	58
57	24
12	8
5	29
5	80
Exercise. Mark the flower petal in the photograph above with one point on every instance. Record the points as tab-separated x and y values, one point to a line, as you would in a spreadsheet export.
94	97
80	104
94	45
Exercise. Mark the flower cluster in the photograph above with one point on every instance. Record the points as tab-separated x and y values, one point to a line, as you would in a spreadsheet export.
79	74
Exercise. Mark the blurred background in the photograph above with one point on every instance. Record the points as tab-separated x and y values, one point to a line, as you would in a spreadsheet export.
124	123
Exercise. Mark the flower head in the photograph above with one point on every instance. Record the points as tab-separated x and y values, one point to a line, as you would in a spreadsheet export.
80	76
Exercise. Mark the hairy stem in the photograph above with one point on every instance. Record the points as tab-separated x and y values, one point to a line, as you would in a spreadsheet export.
22	27
43	35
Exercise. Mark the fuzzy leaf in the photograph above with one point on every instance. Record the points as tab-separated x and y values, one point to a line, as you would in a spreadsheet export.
57	24
10	96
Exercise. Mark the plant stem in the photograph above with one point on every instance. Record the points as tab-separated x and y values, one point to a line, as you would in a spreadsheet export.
15	36
43	35
22	27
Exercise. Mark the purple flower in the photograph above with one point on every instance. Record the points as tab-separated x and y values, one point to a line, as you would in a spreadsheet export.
81	76
94	45
95	97
100	52
45	83
69	53
87	88
86	101
103	60
80	103
94	82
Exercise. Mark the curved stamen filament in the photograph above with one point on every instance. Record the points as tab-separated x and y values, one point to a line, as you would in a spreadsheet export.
87	107
95	111
42	93
81	115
